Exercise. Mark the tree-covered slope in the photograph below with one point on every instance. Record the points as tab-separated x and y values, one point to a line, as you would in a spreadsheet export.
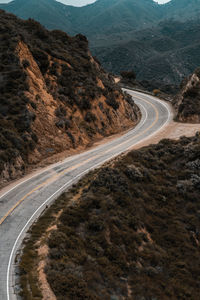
163	54
103	16
127	34
50	13
182	9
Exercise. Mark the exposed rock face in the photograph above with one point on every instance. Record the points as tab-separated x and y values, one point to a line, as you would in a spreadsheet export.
187	102
54	95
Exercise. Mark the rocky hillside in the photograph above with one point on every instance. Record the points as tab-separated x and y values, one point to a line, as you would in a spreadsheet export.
187	102
130	230
53	95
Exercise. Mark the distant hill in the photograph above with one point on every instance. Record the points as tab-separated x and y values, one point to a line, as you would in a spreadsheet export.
126	34
182	9
101	17
164	54
53	95
104	17
128	231
50	13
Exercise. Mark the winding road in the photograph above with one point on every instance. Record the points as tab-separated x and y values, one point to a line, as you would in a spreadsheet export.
23	203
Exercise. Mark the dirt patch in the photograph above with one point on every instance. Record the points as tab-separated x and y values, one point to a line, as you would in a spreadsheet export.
46	291
173	131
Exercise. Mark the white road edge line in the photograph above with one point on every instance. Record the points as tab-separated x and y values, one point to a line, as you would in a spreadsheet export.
65	186
167	121
38	209
66	160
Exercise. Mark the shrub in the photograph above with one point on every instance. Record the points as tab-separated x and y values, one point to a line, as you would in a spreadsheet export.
25	63
71	138
156	92
60	112
130	75
42	59
111	101
90	117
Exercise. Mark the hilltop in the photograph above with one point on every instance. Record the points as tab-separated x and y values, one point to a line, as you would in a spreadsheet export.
103	16
54	95
182	9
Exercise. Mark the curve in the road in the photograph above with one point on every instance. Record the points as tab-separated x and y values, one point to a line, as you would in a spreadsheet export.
22	205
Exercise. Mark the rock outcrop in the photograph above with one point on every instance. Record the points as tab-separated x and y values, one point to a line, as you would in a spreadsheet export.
187	102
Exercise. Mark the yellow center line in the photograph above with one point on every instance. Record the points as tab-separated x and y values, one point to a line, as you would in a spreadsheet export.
43	184
80	164
139	134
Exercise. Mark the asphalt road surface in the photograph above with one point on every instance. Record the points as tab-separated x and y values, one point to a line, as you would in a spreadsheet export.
21	205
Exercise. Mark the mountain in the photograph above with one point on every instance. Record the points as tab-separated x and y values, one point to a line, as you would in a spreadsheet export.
182	9
163	55
187	102
50	13
53	95
101	17
104	17
127	231
107	17
152	39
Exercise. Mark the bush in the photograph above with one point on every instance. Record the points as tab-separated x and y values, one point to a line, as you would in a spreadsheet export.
60	112
111	101
130	75
156	92
25	63
90	117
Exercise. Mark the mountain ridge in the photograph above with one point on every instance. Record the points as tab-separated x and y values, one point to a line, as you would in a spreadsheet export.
165	54
115	27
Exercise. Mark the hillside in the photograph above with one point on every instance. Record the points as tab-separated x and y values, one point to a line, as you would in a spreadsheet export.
104	17
127	231
50	13
54	96
160	42
101	17
182	9
162	55
187	102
